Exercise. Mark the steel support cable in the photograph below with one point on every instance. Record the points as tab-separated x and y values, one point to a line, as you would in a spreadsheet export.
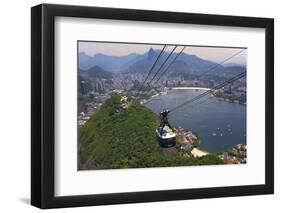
195	100
208	92
167	68
162	65
227	59
241	75
152	67
213	67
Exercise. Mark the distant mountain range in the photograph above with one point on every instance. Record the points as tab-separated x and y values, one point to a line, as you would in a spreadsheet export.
113	64
95	72
234	65
186	64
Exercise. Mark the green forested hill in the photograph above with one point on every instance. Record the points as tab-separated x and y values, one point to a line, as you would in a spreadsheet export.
112	139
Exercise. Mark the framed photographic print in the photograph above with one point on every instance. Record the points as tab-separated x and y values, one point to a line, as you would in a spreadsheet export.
140	106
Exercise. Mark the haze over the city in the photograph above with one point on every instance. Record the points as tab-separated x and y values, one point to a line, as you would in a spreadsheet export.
216	54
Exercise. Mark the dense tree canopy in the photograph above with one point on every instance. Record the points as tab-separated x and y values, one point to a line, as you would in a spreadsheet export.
113	139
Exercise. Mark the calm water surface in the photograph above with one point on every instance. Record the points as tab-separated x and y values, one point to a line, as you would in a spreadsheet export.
220	124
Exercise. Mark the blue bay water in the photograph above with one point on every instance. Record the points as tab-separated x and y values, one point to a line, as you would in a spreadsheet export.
220	124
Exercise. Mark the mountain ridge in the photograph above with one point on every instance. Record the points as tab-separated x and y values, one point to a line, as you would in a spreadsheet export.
140	63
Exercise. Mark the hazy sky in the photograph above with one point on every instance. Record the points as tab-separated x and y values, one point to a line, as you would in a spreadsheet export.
119	49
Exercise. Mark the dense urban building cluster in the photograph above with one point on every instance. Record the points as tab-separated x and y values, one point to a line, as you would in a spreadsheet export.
236	94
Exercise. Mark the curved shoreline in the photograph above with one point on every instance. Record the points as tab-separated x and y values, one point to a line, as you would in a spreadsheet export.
196	88
191	88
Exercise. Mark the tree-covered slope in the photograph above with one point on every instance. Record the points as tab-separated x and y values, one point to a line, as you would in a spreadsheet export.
126	139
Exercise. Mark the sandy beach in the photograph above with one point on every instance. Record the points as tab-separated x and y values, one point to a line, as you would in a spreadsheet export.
198	153
191	88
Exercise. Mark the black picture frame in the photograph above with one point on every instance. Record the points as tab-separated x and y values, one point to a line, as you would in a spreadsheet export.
43	102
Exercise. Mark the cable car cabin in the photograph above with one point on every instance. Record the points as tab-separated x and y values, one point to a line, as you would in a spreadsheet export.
166	137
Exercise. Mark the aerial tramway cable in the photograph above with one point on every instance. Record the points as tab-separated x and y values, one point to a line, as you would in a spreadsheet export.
241	75
210	69
152	67
162	65
167	68
207	71
227	59
167	138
